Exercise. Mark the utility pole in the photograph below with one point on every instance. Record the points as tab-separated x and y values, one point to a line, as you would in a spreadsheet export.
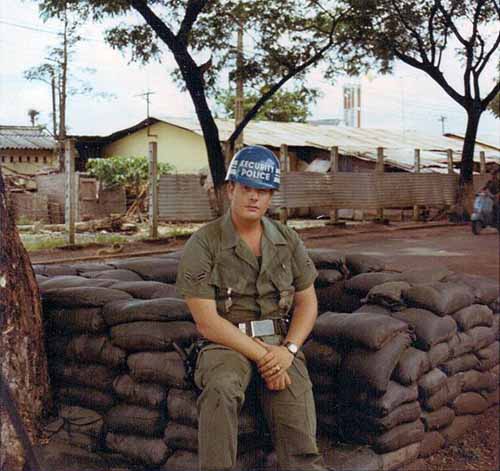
238	104
148	100
442	118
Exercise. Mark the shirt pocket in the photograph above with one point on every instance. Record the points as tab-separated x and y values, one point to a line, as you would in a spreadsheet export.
282	278
229	281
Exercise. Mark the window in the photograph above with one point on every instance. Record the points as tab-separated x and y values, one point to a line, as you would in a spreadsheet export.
11	159
36	159
45	160
28	159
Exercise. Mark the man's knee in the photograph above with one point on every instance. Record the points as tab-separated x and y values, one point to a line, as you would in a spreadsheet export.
226	389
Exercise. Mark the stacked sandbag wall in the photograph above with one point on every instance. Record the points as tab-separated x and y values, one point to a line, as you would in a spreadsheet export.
409	371
389	370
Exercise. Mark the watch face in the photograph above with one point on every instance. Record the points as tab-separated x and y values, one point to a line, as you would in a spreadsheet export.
292	348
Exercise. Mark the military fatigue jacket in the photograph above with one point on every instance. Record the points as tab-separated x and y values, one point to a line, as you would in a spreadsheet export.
217	264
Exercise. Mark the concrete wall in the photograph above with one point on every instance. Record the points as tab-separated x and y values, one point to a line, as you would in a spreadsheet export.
179	147
29	207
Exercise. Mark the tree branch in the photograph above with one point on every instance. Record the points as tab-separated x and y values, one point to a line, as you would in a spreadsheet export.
293	72
193	9
487	57
435	73
430	26
447	17
493	93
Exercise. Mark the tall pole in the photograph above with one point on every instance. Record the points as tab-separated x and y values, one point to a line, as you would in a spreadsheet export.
380	174
153	190
70	194
238	104
334	168
416	169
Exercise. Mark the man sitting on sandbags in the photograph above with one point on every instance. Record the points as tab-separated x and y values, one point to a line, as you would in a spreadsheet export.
240	276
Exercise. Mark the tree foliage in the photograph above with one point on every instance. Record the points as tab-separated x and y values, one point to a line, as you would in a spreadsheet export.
284	106
124	171
421	33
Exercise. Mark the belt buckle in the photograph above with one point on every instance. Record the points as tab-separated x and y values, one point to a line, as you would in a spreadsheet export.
262	328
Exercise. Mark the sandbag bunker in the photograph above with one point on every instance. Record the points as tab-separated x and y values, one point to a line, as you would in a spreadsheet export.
401	363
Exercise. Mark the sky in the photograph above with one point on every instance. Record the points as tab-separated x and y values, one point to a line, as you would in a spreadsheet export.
405	100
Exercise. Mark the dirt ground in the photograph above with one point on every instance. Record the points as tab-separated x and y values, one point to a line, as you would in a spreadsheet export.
402	246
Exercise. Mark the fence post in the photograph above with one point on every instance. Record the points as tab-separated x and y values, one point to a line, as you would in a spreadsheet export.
482	162
153	190
416	169
449	156
69	190
334	168
285	167
379	171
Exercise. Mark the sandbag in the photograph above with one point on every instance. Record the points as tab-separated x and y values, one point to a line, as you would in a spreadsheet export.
485	290
472	316
461	363
153	336
495	326
491	397
142	394
395	395
85	397
394	460
94	349
408	412
165	309
373	308
158	367
459	427
460	344
359	263
372	331
82	267
429	328
77	426
327	277
321	357
411	366
469	403
147	289
388	295
476	381
431	382
488	357
179	436
136	420
438	354
120	275
148	451
419	276
481	336
54	270
94	376
336	299
396	438
430	444
450	390
59	282
181	405
328	258
86	320
85	296
362	284
323	381
438	419
151	268
367	368
441	298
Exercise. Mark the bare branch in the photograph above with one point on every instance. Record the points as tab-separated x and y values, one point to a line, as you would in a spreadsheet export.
193	9
488	55
447	16
430	26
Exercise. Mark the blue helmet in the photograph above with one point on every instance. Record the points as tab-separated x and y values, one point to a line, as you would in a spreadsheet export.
255	166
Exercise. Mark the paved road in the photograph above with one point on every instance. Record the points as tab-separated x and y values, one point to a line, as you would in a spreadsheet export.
453	246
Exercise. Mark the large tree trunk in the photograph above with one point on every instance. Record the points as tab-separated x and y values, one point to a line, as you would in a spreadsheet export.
465	195
23	361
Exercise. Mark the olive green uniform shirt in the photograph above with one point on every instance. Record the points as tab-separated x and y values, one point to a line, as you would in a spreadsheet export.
217	264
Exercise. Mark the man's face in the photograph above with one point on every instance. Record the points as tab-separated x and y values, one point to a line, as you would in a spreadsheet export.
248	203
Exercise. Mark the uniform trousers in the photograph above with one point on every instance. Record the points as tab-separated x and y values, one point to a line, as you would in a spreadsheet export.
223	375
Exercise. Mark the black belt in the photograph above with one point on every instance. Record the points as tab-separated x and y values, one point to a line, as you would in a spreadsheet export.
262	328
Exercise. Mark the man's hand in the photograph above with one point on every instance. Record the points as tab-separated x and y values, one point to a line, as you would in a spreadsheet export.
279	384
272	365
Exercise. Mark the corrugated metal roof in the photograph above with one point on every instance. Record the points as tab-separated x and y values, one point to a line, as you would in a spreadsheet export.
25	137
363	142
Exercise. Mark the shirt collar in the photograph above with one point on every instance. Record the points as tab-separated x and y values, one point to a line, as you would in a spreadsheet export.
230	237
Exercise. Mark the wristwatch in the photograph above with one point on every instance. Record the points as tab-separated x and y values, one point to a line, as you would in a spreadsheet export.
291	347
